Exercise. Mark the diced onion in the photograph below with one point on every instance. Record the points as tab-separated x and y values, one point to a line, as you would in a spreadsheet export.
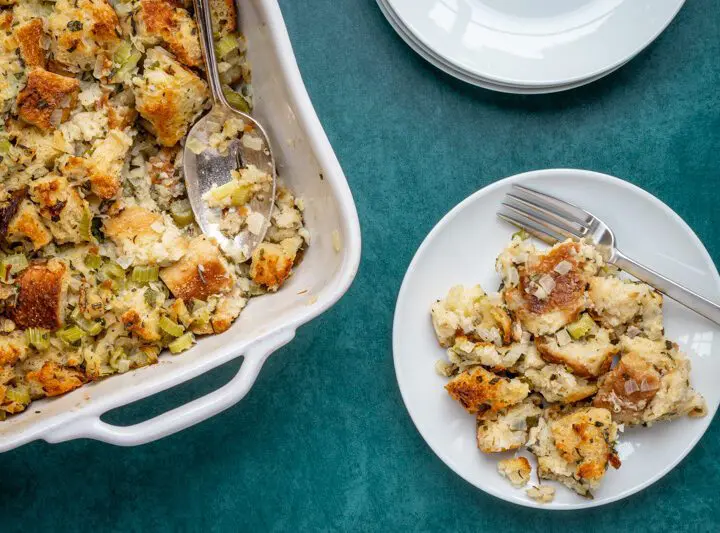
563	267
563	337
631	386
547	283
645	386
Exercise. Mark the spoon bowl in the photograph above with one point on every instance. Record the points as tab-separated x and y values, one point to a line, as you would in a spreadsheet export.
212	168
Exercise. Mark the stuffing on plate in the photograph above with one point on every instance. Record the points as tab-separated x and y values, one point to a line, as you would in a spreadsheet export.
102	265
558	360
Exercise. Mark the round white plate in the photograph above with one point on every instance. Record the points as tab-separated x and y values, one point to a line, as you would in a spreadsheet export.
438	62
535	43
462	249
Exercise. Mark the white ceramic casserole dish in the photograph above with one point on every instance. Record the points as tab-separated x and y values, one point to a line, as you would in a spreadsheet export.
306	162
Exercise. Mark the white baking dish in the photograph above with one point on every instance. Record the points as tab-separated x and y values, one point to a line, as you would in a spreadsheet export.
307	163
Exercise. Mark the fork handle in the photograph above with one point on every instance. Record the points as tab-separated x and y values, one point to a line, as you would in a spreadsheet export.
669	288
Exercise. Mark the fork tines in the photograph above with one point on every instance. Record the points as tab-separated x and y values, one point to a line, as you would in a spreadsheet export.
546	217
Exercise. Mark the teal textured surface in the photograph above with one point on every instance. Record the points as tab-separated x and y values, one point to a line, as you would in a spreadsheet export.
323	441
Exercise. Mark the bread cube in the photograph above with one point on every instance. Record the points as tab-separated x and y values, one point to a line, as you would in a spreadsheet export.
42	290
163	22
48	99
482	391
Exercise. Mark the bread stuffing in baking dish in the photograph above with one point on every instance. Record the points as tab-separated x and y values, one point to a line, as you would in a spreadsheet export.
557	361
102	266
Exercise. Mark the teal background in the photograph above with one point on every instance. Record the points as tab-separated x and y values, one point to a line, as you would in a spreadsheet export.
323	441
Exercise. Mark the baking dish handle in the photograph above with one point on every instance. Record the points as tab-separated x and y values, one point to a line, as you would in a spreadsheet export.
91	427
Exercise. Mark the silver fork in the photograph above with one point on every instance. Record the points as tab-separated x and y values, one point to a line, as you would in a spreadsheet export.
551	220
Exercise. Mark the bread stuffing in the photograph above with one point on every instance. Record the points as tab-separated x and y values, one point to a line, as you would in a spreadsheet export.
557	361
102	266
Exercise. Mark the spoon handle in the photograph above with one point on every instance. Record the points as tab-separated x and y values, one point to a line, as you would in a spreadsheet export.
204	23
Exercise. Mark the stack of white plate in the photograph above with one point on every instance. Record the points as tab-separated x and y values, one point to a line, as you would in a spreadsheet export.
529	46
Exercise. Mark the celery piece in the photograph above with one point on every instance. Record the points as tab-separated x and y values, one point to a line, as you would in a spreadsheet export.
93	261
182	213
241	195
181	343
12	264
71	334
18	394
91	327
225	45
38	337
113	270
580	327
5	146
170	327
145	274
236	100
219	193
85	225
522	234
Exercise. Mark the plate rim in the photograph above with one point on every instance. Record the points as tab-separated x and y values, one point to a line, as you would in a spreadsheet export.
546	83
475	80
566	173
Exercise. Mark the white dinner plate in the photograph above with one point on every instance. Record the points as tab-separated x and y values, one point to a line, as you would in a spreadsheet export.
532	43
438	62
461	249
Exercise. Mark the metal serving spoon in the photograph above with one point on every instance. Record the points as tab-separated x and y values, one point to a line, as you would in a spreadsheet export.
209	168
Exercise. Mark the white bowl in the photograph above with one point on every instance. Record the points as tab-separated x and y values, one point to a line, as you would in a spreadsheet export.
535	43
462	249
306	162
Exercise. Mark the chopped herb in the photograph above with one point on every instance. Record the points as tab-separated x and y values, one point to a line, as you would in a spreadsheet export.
494	380
74	25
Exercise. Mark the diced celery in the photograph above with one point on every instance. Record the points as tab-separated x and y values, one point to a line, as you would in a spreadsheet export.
241	195
85	226
221	192
181	343
113	270
225	45
181	213
93	261
170	327
11	265
581	327
90	327
116	356
145	274
127	58
5	146
236	100
38	337
522	235
71	334
18	394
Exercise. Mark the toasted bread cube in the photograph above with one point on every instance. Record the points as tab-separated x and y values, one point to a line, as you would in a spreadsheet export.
508	429
83	32
169	96
227	311
556	384
29	37
201	273
27	225
12	348
163	22
102	168
41	296
224	16
272	263
516	470
541	313
64	211
588	357
145	237
56	380
47	99
619	303
468	311
41	146
650	383
482	391
541	493
576	448
137	316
